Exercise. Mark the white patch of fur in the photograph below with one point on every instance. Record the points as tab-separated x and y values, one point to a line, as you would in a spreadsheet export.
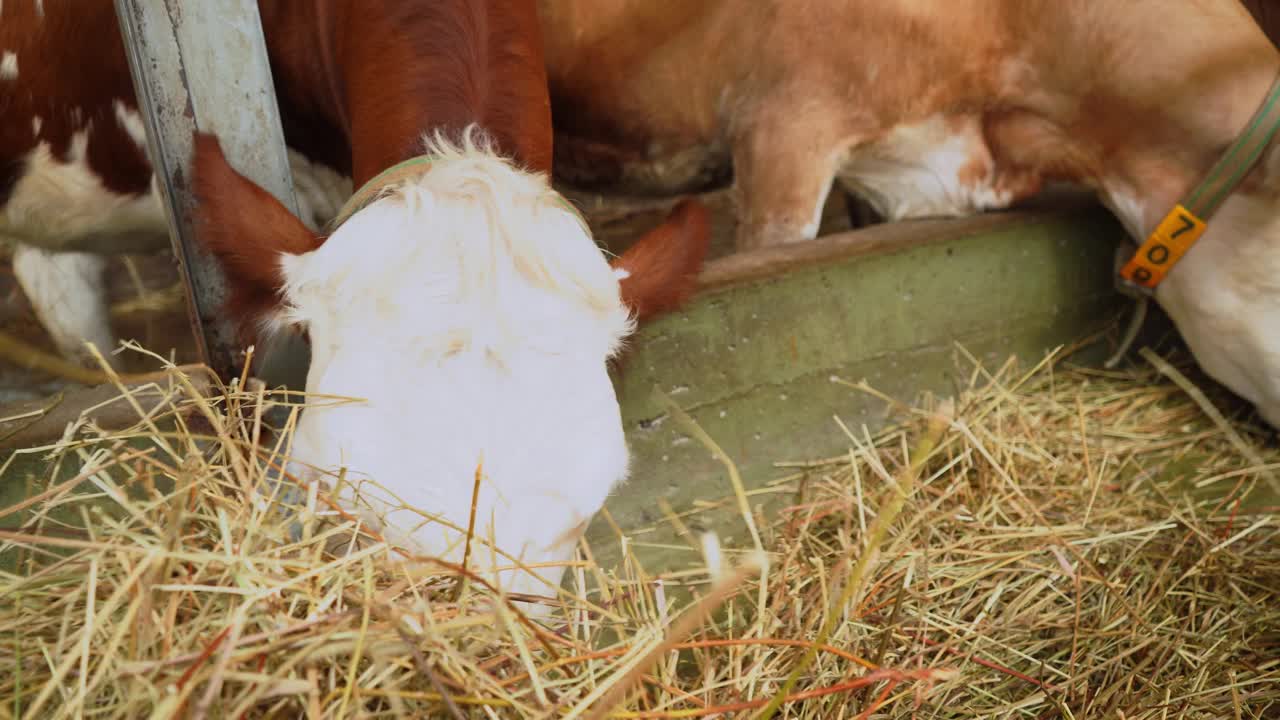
473	315
1224	297
68	294
810	229
320	190
64	205
131	122
37	122
914	172
8	65
78	153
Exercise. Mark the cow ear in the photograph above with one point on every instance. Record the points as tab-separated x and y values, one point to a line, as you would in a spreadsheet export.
660	271
248	231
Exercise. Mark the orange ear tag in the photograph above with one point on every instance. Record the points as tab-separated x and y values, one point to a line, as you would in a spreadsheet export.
1171	239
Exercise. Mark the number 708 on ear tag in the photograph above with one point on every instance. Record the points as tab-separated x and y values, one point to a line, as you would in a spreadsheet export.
1171	239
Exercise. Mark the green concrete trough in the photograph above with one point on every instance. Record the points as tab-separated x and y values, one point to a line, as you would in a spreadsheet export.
752	359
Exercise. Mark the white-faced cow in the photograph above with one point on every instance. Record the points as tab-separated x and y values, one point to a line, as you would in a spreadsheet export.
947	108
461	300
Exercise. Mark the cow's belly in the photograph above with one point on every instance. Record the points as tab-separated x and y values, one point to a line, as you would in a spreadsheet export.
940	167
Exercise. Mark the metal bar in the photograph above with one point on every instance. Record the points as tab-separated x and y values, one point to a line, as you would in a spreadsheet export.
202	64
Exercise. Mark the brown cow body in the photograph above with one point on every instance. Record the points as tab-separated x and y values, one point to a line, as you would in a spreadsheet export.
798	95
944	109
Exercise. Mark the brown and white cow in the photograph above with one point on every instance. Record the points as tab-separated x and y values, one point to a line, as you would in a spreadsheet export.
465	305
75	182
939	109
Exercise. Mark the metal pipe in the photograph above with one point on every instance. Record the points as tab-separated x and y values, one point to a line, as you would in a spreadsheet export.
202	64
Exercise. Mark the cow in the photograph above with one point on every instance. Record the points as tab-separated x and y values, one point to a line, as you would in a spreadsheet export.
461	304
75	181
933	109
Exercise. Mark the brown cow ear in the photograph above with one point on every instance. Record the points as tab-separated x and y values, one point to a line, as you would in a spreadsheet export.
660	271
247	230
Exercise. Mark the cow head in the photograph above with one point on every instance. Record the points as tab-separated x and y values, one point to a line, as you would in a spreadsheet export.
470	316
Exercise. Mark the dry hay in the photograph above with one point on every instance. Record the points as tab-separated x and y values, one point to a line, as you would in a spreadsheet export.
1075	544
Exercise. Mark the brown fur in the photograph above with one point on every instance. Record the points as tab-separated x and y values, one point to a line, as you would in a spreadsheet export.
379	74
1063	89
71	69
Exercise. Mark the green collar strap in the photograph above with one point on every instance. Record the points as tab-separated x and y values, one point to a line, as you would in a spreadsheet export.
398	173
404	171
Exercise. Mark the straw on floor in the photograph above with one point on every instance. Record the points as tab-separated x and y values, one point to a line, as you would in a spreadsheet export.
1055	543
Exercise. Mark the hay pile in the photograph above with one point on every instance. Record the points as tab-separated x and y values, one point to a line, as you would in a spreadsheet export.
1070	544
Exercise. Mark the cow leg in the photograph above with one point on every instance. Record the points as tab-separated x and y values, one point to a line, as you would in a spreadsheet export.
783	169
69	296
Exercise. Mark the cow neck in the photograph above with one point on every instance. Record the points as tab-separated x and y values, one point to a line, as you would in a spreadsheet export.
1173	236
1186	222
324	39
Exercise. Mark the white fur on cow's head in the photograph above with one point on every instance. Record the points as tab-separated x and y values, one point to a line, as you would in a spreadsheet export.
470	315
473	314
